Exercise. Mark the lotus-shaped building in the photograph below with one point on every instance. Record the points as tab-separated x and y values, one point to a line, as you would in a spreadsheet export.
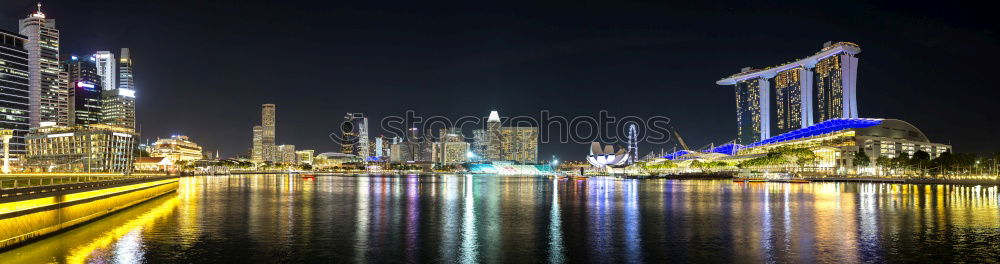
607	156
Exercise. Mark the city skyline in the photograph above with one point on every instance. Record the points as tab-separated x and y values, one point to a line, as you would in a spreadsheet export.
525	70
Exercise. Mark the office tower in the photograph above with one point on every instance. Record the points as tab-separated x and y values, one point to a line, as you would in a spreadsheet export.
106	69
354	135
519	144
257	151
493	137
84	87
47	94
285	154
806	91
479	144
119	102
451	147
382	147
267	122
14	85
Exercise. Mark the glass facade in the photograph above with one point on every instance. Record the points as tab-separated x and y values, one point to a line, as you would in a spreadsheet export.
829	99
85	92
91	148
49	100
14	88
788	100
748	111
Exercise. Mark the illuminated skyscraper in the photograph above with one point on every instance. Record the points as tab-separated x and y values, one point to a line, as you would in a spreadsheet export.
14	88
519	144
493	137
479	144
119	103
257	151
106	69
800	100
48	96
84	87
354	135
285	154
787	101
748	111
268	147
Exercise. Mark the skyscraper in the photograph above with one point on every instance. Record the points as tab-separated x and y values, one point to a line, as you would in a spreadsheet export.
14	88
799	100
119	103
47	94
519	144
493	136
354	135
106	69
84	87
748	111
257	151
285	154
479	144
268	147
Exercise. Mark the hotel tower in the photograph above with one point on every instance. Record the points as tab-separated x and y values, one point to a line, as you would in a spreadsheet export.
779	99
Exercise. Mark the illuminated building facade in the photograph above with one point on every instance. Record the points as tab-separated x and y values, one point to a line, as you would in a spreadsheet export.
451	148
263	147
354	135
106	69
479	144
787	101
119	103
748	111
814	89
257	150
519	144
48	98
305	156
14	85
90	148
285	154
451	152
176	148
493	142
85	92
835	141
268	124
117	107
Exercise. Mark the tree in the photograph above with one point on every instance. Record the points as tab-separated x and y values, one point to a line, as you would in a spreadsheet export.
883	163
861	159
140	153
921	159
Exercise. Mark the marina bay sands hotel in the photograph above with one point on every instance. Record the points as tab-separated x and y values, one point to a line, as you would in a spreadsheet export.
797	94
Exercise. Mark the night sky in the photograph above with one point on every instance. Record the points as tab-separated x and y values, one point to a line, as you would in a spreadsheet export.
203	68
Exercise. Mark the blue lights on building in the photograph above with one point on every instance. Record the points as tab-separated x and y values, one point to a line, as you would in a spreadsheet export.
728	149
824	127
675	155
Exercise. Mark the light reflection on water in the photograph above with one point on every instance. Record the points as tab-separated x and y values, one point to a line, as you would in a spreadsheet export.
464	218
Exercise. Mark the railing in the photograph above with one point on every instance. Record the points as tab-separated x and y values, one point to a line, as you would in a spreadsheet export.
71	183
27	182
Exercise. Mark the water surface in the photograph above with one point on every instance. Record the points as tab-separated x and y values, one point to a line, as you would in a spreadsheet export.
459	218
